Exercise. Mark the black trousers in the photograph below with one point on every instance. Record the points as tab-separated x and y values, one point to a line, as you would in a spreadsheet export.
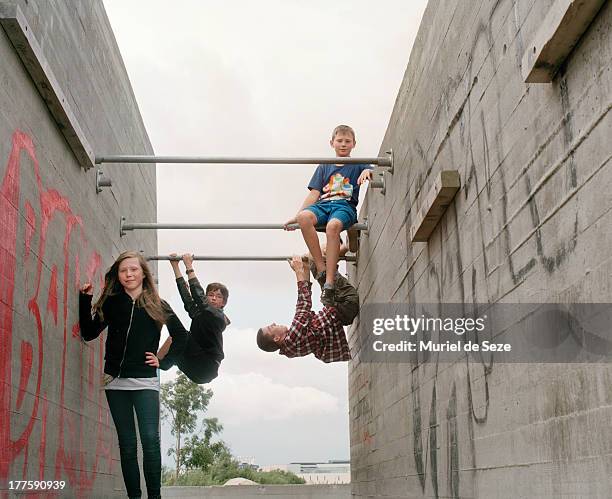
198	367
123	404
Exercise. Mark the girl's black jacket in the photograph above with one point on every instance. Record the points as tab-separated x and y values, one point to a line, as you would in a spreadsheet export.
131	333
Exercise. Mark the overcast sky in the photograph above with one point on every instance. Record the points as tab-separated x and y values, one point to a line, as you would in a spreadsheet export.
266	78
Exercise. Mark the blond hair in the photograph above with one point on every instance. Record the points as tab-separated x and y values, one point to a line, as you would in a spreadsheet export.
149	298
343	129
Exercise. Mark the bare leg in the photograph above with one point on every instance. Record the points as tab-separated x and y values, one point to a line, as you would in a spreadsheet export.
307	221
307	257
344	249
332	251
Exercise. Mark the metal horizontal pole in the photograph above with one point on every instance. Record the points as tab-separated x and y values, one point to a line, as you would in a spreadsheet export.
348	258
125	226
380	161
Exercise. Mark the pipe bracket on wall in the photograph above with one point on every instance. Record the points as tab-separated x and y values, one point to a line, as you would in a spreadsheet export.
379	184
102	181
390	163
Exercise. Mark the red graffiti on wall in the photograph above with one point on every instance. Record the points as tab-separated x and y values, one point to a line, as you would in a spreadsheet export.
26	367
74	436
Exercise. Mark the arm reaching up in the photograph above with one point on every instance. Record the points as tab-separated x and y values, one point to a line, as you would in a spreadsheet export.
91	326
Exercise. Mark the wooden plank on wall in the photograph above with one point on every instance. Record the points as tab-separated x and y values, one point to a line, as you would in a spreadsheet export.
434	205
560	31
19	32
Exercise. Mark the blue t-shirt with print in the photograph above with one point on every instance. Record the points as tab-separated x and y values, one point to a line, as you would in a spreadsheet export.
336	182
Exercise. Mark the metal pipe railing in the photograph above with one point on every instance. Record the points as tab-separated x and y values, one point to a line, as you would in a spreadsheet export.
386	161
126	226
348	258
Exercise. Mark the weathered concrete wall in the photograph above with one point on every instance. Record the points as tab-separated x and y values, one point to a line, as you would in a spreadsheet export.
257	491
532	222
55	232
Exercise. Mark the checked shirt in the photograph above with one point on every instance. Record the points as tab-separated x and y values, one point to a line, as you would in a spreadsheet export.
319	333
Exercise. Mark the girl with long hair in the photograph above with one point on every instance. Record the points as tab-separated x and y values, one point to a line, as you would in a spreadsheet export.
131	308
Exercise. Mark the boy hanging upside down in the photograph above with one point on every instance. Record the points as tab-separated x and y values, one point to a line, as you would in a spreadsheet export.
320	333
203	354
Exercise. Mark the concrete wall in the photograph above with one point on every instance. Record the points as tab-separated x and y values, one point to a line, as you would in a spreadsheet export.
56	232
490	430
257	491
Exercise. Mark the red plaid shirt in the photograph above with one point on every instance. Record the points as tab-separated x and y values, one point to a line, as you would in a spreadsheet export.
320	333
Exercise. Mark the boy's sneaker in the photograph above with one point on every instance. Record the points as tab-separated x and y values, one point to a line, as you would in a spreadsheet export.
328	296
320	277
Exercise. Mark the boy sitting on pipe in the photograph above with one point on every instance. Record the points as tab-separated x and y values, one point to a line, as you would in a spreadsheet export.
320	333
332	201
203	353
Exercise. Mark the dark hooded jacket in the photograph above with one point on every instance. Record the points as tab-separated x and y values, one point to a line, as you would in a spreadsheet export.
131	333
207	323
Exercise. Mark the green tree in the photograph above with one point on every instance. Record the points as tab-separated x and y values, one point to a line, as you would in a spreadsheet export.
199	460
201	452
181	401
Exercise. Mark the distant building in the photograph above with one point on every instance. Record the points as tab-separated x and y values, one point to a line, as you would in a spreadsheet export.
247	463
245	466
330	472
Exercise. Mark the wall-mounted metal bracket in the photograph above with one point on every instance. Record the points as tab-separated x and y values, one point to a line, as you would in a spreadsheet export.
388	162
379	184
102	181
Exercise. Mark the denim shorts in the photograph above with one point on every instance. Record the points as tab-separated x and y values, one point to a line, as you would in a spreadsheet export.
340	209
